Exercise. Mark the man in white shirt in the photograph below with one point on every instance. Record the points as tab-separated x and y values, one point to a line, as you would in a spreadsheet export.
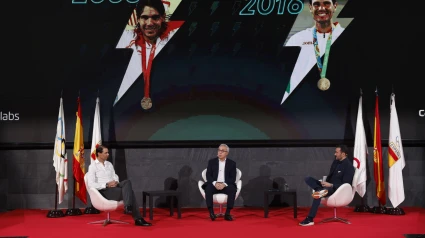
101	175
221	178
322	12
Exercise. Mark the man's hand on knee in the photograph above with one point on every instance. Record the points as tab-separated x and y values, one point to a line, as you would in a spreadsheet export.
112	184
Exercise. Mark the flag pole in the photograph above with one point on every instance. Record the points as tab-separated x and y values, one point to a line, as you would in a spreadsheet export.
55	213
74	211
396	210
90	209
362	207
379	209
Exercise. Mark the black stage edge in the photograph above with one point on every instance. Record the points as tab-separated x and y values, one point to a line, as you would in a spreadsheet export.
55	214
379	210
91	210
204	144
362	208
73	212
395	211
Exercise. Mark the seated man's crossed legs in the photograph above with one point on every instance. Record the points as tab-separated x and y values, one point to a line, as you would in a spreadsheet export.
318	194
124	191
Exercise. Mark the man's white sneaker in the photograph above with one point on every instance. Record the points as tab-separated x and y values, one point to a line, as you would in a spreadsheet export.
319	194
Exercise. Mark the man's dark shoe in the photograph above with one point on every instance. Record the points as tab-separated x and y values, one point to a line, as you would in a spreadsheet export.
212	216
141	222
307	222
228	217
128	210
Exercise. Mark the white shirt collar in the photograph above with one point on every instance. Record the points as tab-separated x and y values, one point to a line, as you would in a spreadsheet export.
98	162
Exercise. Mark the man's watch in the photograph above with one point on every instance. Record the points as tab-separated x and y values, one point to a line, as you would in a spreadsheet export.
106	184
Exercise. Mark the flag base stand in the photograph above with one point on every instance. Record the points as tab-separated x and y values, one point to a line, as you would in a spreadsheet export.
91	210
55	214
395	211
73	212
362	208
379	210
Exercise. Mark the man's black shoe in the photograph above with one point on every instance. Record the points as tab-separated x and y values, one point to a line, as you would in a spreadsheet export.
141	222
228	217
212	216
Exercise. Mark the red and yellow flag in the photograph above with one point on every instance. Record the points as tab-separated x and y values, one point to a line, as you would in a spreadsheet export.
377	158
78	155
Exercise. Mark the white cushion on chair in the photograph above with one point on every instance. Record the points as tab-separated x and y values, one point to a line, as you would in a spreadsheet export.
221	198
100	202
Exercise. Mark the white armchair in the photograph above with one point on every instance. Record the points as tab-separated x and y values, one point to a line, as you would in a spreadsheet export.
103	204
340	198
221	198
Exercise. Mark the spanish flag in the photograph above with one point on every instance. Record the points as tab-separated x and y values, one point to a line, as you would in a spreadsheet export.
78	155
377	157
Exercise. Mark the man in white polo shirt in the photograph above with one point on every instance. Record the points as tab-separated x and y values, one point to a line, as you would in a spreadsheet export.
314	42
101	176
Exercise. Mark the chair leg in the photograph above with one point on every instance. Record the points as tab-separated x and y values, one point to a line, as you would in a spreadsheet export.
108	221
220	213
335	218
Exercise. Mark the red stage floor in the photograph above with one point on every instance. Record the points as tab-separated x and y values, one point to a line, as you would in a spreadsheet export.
196	223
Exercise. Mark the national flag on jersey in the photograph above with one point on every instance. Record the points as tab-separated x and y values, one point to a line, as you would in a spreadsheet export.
78	154
377	157
396	160
360	153
97	137
60	160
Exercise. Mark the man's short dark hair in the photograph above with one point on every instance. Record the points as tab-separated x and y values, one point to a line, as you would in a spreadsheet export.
100	148
157	4
333	1
343	148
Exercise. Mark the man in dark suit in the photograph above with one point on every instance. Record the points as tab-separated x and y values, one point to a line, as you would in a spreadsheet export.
342	171
221	177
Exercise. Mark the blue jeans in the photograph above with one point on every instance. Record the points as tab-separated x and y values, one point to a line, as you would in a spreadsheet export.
316	186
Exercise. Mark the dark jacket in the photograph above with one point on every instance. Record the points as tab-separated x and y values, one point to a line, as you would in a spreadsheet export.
341	172
229	171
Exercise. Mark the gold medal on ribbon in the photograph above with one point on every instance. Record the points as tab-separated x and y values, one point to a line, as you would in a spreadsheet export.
146	103
323	84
